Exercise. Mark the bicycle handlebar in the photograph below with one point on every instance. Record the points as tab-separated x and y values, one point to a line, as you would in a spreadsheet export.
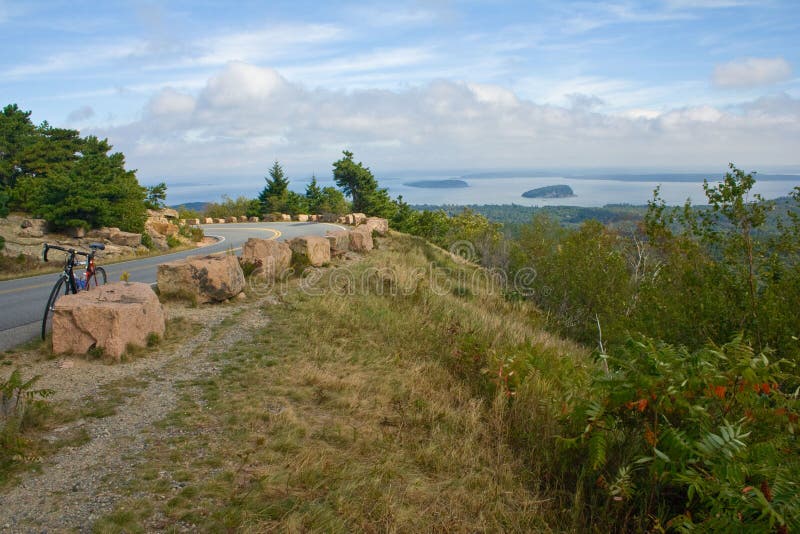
71	251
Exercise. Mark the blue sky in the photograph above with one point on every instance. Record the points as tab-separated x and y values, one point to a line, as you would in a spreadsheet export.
208	90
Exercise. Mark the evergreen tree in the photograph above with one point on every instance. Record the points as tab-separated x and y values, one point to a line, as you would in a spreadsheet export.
274	195
313	195
360	185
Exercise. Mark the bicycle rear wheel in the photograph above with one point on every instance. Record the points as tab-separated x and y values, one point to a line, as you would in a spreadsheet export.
98	279
59	289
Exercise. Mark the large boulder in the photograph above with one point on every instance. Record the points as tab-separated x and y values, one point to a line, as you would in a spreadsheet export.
310	250
117	237
272	257
339	241
302	217
109	317
219	221
285	217
253	219
201	279
126	239
361	239
208	220
359	218
33	228
378	225
231	220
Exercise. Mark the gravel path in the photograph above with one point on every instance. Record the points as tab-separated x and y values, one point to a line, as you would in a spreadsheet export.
77	485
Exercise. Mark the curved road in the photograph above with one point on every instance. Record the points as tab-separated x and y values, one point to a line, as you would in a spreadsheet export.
22	301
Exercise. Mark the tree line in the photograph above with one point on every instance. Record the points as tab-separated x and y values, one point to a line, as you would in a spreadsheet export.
69	180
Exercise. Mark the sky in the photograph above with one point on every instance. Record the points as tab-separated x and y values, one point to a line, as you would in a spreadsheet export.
205	90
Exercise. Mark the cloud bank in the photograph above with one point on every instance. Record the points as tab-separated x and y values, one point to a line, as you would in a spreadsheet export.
752	72
246	116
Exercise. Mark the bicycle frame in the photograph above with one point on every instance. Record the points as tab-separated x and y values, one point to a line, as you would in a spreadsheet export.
70	263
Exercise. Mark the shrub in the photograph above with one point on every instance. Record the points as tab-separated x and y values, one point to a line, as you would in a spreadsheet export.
147	241
683	440
173	241
17	397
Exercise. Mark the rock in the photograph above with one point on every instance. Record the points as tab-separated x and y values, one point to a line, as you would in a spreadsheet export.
310	250
376	224
109	317
37	225
77	232
162	228
359	218
253	219
349	219
231	220
219	221
361	239
169	213
339	241
126	239
314	218
192	222
285	217
274	257
201	278
328	217
302	217
208	220
242	218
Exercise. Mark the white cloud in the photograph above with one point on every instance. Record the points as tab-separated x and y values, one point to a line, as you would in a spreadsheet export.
246	116
264	44
242	85
170	102
751	72
80	58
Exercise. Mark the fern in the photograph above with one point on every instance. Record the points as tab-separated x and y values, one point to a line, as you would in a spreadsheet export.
728	442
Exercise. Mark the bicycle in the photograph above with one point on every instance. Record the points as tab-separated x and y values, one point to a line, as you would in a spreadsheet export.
68	282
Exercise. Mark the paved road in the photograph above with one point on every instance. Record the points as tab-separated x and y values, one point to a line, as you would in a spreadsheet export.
22	301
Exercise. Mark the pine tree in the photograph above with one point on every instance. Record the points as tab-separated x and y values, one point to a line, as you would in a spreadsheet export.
273	196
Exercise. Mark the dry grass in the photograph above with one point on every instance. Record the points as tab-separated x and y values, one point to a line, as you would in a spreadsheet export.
360	410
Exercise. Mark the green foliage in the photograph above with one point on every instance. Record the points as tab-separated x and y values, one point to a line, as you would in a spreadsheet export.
360	185
276	196
325	200
17	397
71	181
686	440
688	275
173	241
5	199
232	208
147	241
191	232
185	213
156	196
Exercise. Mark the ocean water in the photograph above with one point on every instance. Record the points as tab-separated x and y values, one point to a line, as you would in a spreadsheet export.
588	191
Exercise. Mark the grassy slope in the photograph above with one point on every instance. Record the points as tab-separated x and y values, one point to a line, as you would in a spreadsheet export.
360	409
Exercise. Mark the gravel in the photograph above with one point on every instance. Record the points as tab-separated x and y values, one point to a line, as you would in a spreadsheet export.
78	485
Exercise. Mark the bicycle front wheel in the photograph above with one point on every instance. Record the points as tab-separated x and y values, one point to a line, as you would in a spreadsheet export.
59	289
98	278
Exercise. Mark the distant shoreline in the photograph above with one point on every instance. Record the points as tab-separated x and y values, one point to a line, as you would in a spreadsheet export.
438	184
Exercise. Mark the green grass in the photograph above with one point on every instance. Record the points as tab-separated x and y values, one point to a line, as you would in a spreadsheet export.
358	412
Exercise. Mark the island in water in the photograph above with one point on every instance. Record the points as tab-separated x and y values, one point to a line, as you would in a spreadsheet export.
439	184
550	191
